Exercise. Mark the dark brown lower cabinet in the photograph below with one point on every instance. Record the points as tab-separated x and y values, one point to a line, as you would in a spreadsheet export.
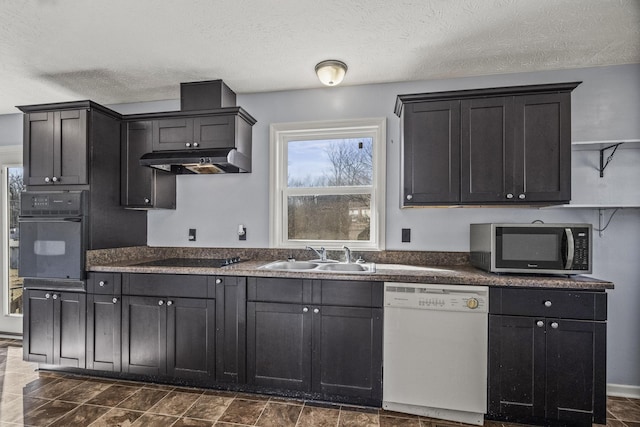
231	326
168	336
279	345
312	348
576	371
104	349
547	369
54	327
347	351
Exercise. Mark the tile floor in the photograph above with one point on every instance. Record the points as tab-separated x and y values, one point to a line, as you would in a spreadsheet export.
32	398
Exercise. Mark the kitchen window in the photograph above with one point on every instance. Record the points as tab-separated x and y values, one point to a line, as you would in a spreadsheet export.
328	184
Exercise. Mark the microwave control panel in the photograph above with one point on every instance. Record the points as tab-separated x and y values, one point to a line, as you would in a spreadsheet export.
581	249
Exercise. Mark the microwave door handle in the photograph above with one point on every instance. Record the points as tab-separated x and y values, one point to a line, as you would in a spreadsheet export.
570	248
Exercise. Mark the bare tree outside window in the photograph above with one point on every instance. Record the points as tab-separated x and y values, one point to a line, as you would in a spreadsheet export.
330	163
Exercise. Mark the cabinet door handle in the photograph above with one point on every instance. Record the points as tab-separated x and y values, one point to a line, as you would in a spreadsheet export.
316	310
304	310
147	200
115	300
47	179
101	283
169	303
160	302
548	303
188	144
554	325
522	196
55	179
55	296
47	295
195	144
509	196
539	323
409	196
218	281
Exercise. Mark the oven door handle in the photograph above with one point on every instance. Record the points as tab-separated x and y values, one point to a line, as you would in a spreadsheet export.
34	219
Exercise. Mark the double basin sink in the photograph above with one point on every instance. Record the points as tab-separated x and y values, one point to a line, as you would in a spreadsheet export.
320	266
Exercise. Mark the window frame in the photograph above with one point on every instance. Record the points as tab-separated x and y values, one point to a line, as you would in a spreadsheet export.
281	134
10	156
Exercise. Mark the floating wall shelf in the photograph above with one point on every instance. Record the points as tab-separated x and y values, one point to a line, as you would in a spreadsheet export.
599	145
603	147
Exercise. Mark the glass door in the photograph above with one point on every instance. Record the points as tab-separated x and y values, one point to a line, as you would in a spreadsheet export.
11	296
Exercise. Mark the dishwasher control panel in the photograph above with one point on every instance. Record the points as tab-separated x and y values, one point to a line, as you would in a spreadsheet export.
437	297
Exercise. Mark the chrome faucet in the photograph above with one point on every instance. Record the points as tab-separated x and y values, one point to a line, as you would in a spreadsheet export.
347	254
322	254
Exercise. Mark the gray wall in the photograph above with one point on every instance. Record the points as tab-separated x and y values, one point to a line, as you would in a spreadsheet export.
11	129
606	106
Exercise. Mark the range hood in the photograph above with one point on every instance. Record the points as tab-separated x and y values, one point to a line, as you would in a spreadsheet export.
208	119
219	160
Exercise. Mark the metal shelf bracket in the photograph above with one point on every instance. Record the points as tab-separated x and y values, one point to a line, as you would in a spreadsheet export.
603	164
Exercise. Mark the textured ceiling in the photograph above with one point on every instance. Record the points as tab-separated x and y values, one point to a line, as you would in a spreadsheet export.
118	51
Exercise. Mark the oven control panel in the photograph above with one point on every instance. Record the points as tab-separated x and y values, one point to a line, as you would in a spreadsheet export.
42	203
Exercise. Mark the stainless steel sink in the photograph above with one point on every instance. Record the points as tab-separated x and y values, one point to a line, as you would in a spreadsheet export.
290	265
344	267
320	267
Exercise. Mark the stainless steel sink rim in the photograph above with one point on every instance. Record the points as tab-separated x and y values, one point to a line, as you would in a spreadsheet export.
320	267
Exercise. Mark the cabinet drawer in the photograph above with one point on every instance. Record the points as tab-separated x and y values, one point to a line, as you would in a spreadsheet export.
175	285
104	283
278	290
351	293
561	304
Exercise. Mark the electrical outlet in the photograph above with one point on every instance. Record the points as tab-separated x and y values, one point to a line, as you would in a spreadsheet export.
406	235
192	234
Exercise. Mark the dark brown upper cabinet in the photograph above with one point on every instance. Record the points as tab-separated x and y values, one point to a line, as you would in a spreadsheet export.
496	146
55	147
69	144
431	170
194	133
143	187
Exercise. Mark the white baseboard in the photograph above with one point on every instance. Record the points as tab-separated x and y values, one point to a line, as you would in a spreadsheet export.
622	390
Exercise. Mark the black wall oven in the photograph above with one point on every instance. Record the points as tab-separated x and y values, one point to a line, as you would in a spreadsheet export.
53	235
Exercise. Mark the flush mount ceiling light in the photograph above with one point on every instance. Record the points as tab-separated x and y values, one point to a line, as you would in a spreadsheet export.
331	72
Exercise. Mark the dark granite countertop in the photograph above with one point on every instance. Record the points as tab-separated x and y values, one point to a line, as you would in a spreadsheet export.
462	274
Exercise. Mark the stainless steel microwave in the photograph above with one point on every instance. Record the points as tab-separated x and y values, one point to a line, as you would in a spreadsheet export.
532	248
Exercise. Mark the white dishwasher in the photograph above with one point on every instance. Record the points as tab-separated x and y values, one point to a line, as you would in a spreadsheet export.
435	350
